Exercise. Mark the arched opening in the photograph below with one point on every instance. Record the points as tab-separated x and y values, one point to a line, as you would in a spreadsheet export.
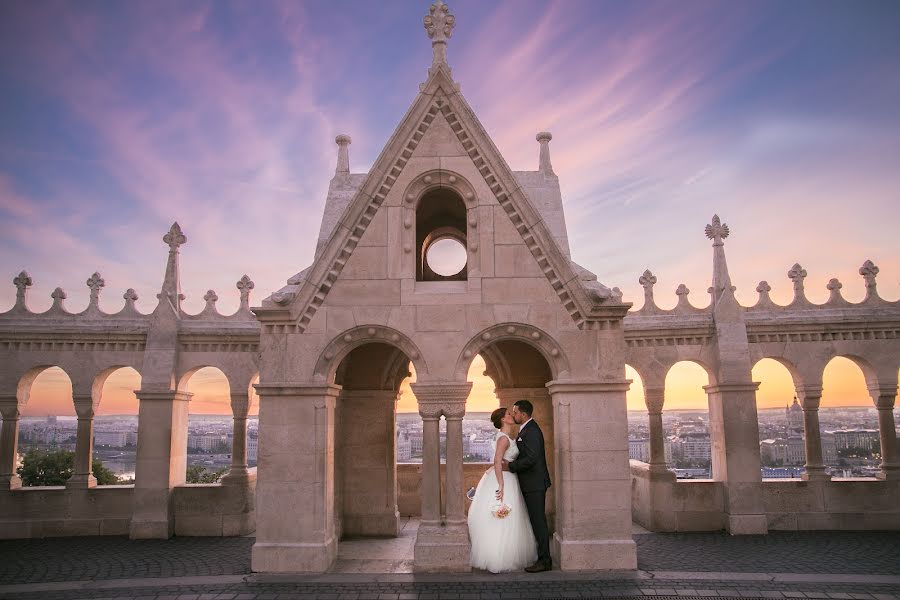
210	425
686	421
782	446
253	425
848	421
366	441
441	248
116	425
521	372
47	430
638	421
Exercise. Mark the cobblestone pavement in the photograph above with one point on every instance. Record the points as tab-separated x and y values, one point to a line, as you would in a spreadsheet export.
840	565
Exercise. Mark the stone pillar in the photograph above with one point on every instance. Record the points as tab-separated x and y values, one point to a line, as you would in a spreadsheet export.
442	545
295	478
654	398
734	436
456	510
161	460
884	397
9	441
366	460
543	416
809	397
593	476
82	476
238	473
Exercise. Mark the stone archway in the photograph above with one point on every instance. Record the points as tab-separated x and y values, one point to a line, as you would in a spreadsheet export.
365	452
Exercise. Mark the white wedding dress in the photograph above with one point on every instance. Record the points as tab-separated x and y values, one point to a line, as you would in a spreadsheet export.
500	545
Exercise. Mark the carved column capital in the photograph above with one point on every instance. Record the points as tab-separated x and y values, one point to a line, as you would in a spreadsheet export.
436	399
884	395
654	398
809	396
85	407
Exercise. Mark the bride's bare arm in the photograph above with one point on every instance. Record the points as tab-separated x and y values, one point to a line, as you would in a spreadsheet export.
502	445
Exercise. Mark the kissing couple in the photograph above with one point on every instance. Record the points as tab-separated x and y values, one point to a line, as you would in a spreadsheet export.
507	525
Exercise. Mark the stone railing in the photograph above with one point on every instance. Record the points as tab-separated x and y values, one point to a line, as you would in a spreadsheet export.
659	502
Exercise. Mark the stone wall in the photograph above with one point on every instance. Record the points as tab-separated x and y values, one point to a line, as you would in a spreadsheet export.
202	510
662	503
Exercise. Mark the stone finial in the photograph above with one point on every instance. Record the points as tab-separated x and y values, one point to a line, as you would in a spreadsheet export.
834	287
682	292
211	298
95	283
22	282
869	272
244	286
763	290
797	274
717	231
130	297
439	24
647	281
58	296
175	238
343	159
544	165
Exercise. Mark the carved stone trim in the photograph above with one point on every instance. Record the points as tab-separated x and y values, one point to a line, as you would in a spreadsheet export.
345	342
540	340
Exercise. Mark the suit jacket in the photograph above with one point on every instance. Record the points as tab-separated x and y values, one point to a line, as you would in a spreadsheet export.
531	465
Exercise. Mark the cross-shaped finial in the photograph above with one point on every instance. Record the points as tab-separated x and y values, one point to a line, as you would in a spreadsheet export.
717	231
95	283
174	238
439	25
797	274
244	286
869	271
211	297
22	283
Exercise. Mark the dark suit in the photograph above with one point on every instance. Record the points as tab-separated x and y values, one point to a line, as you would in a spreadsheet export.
534	479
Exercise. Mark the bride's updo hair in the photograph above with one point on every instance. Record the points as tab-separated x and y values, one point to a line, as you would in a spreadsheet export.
497	417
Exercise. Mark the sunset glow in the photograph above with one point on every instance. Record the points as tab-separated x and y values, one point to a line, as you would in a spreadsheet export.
120	118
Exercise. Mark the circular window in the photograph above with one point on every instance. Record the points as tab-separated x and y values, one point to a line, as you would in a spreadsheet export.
446	257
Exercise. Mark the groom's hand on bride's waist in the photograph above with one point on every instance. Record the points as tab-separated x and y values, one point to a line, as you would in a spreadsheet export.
506	465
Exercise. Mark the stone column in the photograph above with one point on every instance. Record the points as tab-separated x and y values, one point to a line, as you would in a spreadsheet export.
456	510
734	436
161	460
654	398
431	467
9	441
295	478
238	473
82	476
442	546
884	397
809	397
366	459
593	476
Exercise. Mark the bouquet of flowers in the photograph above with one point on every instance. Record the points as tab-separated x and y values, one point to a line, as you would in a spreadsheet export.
501	509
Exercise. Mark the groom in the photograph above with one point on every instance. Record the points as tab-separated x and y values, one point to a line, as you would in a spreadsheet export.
534	479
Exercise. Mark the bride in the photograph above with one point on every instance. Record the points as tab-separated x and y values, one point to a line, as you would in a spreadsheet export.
501	544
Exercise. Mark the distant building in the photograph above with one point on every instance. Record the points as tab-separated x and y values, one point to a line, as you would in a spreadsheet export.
206	442
113	439
793	415
696	446
252	447
865	439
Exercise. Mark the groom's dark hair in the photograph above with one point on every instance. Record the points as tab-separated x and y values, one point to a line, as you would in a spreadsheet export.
524	406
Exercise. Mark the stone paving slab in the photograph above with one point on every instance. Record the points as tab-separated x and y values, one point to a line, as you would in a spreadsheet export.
845	565
108	557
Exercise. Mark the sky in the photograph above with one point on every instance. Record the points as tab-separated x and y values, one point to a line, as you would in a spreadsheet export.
118	118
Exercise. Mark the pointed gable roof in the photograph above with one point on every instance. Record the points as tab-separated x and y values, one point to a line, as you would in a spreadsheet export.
439	94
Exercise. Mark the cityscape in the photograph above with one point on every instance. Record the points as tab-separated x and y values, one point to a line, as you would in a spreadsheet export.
850	440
